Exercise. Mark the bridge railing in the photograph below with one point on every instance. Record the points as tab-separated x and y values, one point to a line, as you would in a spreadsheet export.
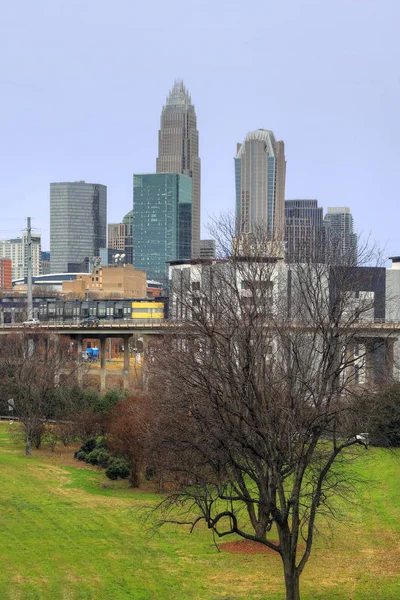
123	324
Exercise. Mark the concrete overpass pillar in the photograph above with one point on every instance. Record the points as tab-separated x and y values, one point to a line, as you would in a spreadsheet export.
103	341
79	340
349	369
379	360
389	359
146	357
126	361
369	362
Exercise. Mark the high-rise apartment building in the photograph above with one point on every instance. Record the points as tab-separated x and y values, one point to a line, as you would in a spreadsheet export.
260	171
340	239
178	149
304	231
16	250
78	224
162	223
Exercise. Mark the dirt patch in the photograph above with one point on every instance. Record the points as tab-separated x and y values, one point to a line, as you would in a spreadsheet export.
246	547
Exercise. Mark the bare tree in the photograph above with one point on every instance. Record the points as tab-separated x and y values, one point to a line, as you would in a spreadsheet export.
260	391
130	425
31	365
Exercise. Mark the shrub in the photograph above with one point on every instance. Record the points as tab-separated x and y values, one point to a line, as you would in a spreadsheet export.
99	457
149	473
384	429
89	445
80	455
118	467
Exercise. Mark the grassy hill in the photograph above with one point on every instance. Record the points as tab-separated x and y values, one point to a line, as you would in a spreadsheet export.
67	533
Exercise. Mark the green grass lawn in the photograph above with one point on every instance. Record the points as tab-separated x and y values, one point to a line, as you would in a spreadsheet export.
65	536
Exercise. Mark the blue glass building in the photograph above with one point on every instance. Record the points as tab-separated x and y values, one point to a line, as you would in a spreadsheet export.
162	222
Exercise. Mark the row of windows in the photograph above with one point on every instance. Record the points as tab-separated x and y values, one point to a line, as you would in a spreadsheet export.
101	309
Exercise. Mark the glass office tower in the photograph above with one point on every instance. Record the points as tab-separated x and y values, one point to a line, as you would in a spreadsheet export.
304	231
78	224
128	222
178	149
162	222
260	171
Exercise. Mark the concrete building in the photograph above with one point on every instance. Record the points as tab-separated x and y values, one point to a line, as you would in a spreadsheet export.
273	288
207	248
260	172
162	222
123	282
16	250
5	274
393	291
178	149
78	217
340	239
304	231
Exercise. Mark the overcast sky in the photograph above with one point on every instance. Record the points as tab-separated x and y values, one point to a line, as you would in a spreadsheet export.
82	84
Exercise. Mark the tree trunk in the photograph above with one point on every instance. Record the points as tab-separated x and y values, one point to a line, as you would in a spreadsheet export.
292	575
134	479
292	582
28	445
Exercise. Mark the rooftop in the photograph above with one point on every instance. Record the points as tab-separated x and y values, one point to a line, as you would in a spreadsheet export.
179	96
261	135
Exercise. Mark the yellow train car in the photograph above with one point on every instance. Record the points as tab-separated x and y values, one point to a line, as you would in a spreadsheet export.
148	310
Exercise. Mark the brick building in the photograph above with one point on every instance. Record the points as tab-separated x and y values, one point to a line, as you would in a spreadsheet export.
5	274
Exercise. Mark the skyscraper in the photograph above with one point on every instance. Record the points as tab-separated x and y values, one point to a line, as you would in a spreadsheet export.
45	262
340	239
116	236
303	231
178	149
162	206
128	222
260	170
78	221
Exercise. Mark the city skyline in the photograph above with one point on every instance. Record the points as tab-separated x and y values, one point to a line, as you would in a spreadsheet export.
76	111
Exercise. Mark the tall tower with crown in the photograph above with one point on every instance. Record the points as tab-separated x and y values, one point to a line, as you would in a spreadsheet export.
178	149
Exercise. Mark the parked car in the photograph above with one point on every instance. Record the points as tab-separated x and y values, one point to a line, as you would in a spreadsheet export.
31	323
89	322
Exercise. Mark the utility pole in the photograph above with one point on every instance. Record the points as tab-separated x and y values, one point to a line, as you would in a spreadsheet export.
29	260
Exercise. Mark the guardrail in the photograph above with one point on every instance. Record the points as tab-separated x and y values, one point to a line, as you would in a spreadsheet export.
127	324
132	324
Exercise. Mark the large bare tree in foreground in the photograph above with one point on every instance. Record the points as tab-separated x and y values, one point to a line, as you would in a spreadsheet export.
260	395
31	366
